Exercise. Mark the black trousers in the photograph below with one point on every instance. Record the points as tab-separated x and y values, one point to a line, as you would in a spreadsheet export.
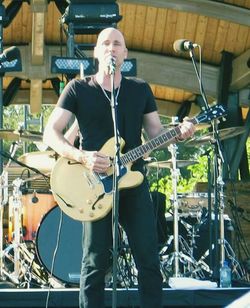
136	215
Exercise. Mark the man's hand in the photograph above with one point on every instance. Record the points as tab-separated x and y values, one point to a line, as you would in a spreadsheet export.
187	129
95	161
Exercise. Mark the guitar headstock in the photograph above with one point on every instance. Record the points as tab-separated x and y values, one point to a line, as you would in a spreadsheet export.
212	113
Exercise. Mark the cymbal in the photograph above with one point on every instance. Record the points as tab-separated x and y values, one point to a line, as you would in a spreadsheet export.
44	161
224	133
21	135
168	163
198	126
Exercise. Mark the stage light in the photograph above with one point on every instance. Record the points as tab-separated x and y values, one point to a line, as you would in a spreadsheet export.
129	67
10	60
65	65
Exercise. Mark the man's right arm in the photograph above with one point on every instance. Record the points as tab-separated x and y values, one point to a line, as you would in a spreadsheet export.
54	138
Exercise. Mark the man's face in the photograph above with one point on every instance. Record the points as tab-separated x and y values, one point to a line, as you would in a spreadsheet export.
110	43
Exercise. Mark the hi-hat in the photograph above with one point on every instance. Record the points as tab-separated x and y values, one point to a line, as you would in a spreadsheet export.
21	135
225	133
168	163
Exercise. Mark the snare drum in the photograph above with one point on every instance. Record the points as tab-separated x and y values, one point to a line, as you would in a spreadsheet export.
33	207
192	203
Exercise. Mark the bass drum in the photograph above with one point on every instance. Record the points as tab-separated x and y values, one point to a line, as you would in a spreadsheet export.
68	257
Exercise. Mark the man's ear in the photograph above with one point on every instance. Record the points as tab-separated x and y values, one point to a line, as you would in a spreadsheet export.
94	53
126	53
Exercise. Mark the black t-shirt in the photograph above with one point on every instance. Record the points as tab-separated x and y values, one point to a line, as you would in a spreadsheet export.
86	100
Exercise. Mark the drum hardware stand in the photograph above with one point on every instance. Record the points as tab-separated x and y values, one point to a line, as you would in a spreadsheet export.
17	215
221	240
225	247
177	256
3	201
175	174
127	272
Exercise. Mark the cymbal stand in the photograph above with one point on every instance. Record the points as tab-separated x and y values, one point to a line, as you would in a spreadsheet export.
221	241
175	174
17	214
185	254
3	201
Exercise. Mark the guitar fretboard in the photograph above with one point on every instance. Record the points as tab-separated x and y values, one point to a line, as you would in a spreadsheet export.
153	144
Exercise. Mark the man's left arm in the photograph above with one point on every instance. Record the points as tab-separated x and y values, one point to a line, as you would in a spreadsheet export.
153	127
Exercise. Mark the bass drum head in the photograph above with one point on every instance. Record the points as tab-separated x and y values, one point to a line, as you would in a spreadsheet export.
67	263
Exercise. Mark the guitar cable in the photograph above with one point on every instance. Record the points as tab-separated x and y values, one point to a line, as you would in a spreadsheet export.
54	257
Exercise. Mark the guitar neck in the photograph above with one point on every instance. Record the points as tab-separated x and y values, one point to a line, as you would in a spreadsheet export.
153	144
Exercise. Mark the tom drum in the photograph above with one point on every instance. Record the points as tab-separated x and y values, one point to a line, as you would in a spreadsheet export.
33	207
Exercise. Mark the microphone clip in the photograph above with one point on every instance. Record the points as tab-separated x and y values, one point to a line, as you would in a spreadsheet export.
112	66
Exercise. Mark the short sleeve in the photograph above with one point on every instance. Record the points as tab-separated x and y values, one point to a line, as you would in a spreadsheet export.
67	99
150	100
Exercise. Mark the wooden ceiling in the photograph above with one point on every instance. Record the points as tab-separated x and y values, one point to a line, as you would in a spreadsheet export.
150	29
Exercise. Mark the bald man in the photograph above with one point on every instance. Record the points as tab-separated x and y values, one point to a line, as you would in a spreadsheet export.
89	100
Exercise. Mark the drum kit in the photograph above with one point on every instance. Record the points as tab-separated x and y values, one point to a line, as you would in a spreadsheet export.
34	255
181	254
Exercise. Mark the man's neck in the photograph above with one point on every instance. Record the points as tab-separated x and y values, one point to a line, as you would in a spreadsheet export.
104	79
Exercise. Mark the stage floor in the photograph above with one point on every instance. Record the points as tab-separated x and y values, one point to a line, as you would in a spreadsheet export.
68	297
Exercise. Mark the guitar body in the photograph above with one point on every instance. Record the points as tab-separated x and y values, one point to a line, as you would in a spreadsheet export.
84	195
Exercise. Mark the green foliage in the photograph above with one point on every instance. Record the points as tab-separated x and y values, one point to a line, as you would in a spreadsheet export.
185	184
14	119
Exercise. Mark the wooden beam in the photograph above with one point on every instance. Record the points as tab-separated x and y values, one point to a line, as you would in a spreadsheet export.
36	95
208	8
23	97
30	71
167	108
155	69
39	5
241	72
38	25
174	72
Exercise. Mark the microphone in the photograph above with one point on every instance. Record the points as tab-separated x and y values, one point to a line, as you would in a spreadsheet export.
112	65
184	45
10	54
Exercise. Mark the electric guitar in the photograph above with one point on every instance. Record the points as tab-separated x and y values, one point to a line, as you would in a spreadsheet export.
87	196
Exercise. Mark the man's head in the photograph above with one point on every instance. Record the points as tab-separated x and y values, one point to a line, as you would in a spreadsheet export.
110	43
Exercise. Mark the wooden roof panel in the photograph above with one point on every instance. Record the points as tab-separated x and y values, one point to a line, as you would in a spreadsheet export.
152	27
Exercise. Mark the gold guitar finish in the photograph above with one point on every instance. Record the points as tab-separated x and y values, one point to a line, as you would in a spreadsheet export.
80	193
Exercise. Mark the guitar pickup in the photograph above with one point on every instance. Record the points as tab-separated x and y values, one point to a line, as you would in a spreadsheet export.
89	180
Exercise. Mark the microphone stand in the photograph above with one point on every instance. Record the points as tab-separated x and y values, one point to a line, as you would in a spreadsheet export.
116	174
217	154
